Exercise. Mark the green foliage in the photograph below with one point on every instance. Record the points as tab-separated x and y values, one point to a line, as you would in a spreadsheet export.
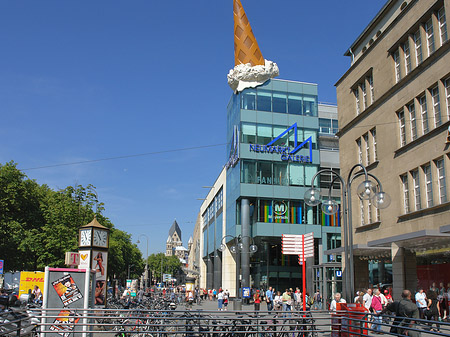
160	263
38	225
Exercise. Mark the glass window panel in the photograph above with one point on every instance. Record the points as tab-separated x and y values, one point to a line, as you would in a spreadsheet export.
296	174
265	211
309	106
442	25
264	100
294	104
335	126
418	47
310	171
325	125
264	134
248	133
279	102
313	135
249	99
430	36
295	212
264	174
248	172
280	176
278	130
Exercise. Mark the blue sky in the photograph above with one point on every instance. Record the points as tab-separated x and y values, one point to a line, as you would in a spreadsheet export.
88	80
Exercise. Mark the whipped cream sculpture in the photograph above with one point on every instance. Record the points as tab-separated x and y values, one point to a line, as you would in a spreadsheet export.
251	69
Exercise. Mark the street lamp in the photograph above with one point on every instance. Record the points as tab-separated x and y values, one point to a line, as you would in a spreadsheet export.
367	190
146	261
235	249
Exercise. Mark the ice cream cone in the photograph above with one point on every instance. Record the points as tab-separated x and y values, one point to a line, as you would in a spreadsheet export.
246	49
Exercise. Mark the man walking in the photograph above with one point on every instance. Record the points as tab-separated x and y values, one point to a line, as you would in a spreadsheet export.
421	301
269	299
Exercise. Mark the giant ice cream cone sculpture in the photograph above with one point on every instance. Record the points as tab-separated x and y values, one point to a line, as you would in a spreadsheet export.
251	69
246	49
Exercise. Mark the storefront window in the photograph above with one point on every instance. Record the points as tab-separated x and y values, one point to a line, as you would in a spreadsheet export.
264	100
264	134
279	102
280	174
264	173
295	212
248	133
295	104
249	99
248	172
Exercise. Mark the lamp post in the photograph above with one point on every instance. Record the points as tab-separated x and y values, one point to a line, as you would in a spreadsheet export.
129	269
146	261
162	256
367	190
236	249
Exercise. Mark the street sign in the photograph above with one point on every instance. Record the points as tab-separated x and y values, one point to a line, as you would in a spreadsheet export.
167	277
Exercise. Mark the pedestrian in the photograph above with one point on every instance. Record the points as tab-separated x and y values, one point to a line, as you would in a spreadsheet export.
409	313
317	300
377	308
337	299
257	300
278	301
287	300
335	319
367	304
432	312
220	300
269	299
298	299
421	302
226	295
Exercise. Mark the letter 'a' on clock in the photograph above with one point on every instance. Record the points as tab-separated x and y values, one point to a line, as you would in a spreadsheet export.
85	237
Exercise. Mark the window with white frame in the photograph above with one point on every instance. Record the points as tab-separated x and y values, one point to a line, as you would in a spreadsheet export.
364	93
367	148
440	170
359	149
430	36
424	113
373	133
396	57
369	211
436	106
361	206
416	184
356	93
442	25
447	95
372	95
418	47
412	119
405	190
428	184
402	128
407	55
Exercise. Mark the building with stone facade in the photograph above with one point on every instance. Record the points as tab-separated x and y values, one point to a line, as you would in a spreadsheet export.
394	118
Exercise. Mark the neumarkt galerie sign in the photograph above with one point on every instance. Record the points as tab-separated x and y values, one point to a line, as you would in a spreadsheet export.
287	153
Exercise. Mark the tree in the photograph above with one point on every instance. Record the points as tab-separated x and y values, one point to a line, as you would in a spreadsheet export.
160	264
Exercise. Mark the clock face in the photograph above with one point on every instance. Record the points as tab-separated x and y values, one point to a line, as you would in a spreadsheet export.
100	238
85	237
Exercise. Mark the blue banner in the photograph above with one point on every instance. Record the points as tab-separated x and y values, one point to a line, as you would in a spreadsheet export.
246	292
1	266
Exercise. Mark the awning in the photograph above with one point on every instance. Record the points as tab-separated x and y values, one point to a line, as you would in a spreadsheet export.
426	238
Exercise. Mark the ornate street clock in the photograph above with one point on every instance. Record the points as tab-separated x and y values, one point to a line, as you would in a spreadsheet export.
93	243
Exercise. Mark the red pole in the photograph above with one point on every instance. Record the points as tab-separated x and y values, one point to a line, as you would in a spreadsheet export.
303	273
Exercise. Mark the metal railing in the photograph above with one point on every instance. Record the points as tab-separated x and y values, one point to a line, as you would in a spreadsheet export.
193	323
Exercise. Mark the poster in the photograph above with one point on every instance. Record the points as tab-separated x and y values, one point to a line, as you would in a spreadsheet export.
64	324
85	258
67	290
99	263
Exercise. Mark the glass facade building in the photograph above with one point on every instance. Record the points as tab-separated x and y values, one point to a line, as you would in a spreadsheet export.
276	133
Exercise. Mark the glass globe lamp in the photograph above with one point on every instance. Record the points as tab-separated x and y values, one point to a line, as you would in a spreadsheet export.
381	200
329	207
366	190
312	197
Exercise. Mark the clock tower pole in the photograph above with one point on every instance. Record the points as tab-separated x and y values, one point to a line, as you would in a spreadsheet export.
93	244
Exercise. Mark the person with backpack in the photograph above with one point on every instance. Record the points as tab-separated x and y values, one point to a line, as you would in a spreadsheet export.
317	300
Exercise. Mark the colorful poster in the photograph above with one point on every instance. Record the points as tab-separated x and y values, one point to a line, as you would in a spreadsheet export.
30	279
99	264
85	259
67	290
64	324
